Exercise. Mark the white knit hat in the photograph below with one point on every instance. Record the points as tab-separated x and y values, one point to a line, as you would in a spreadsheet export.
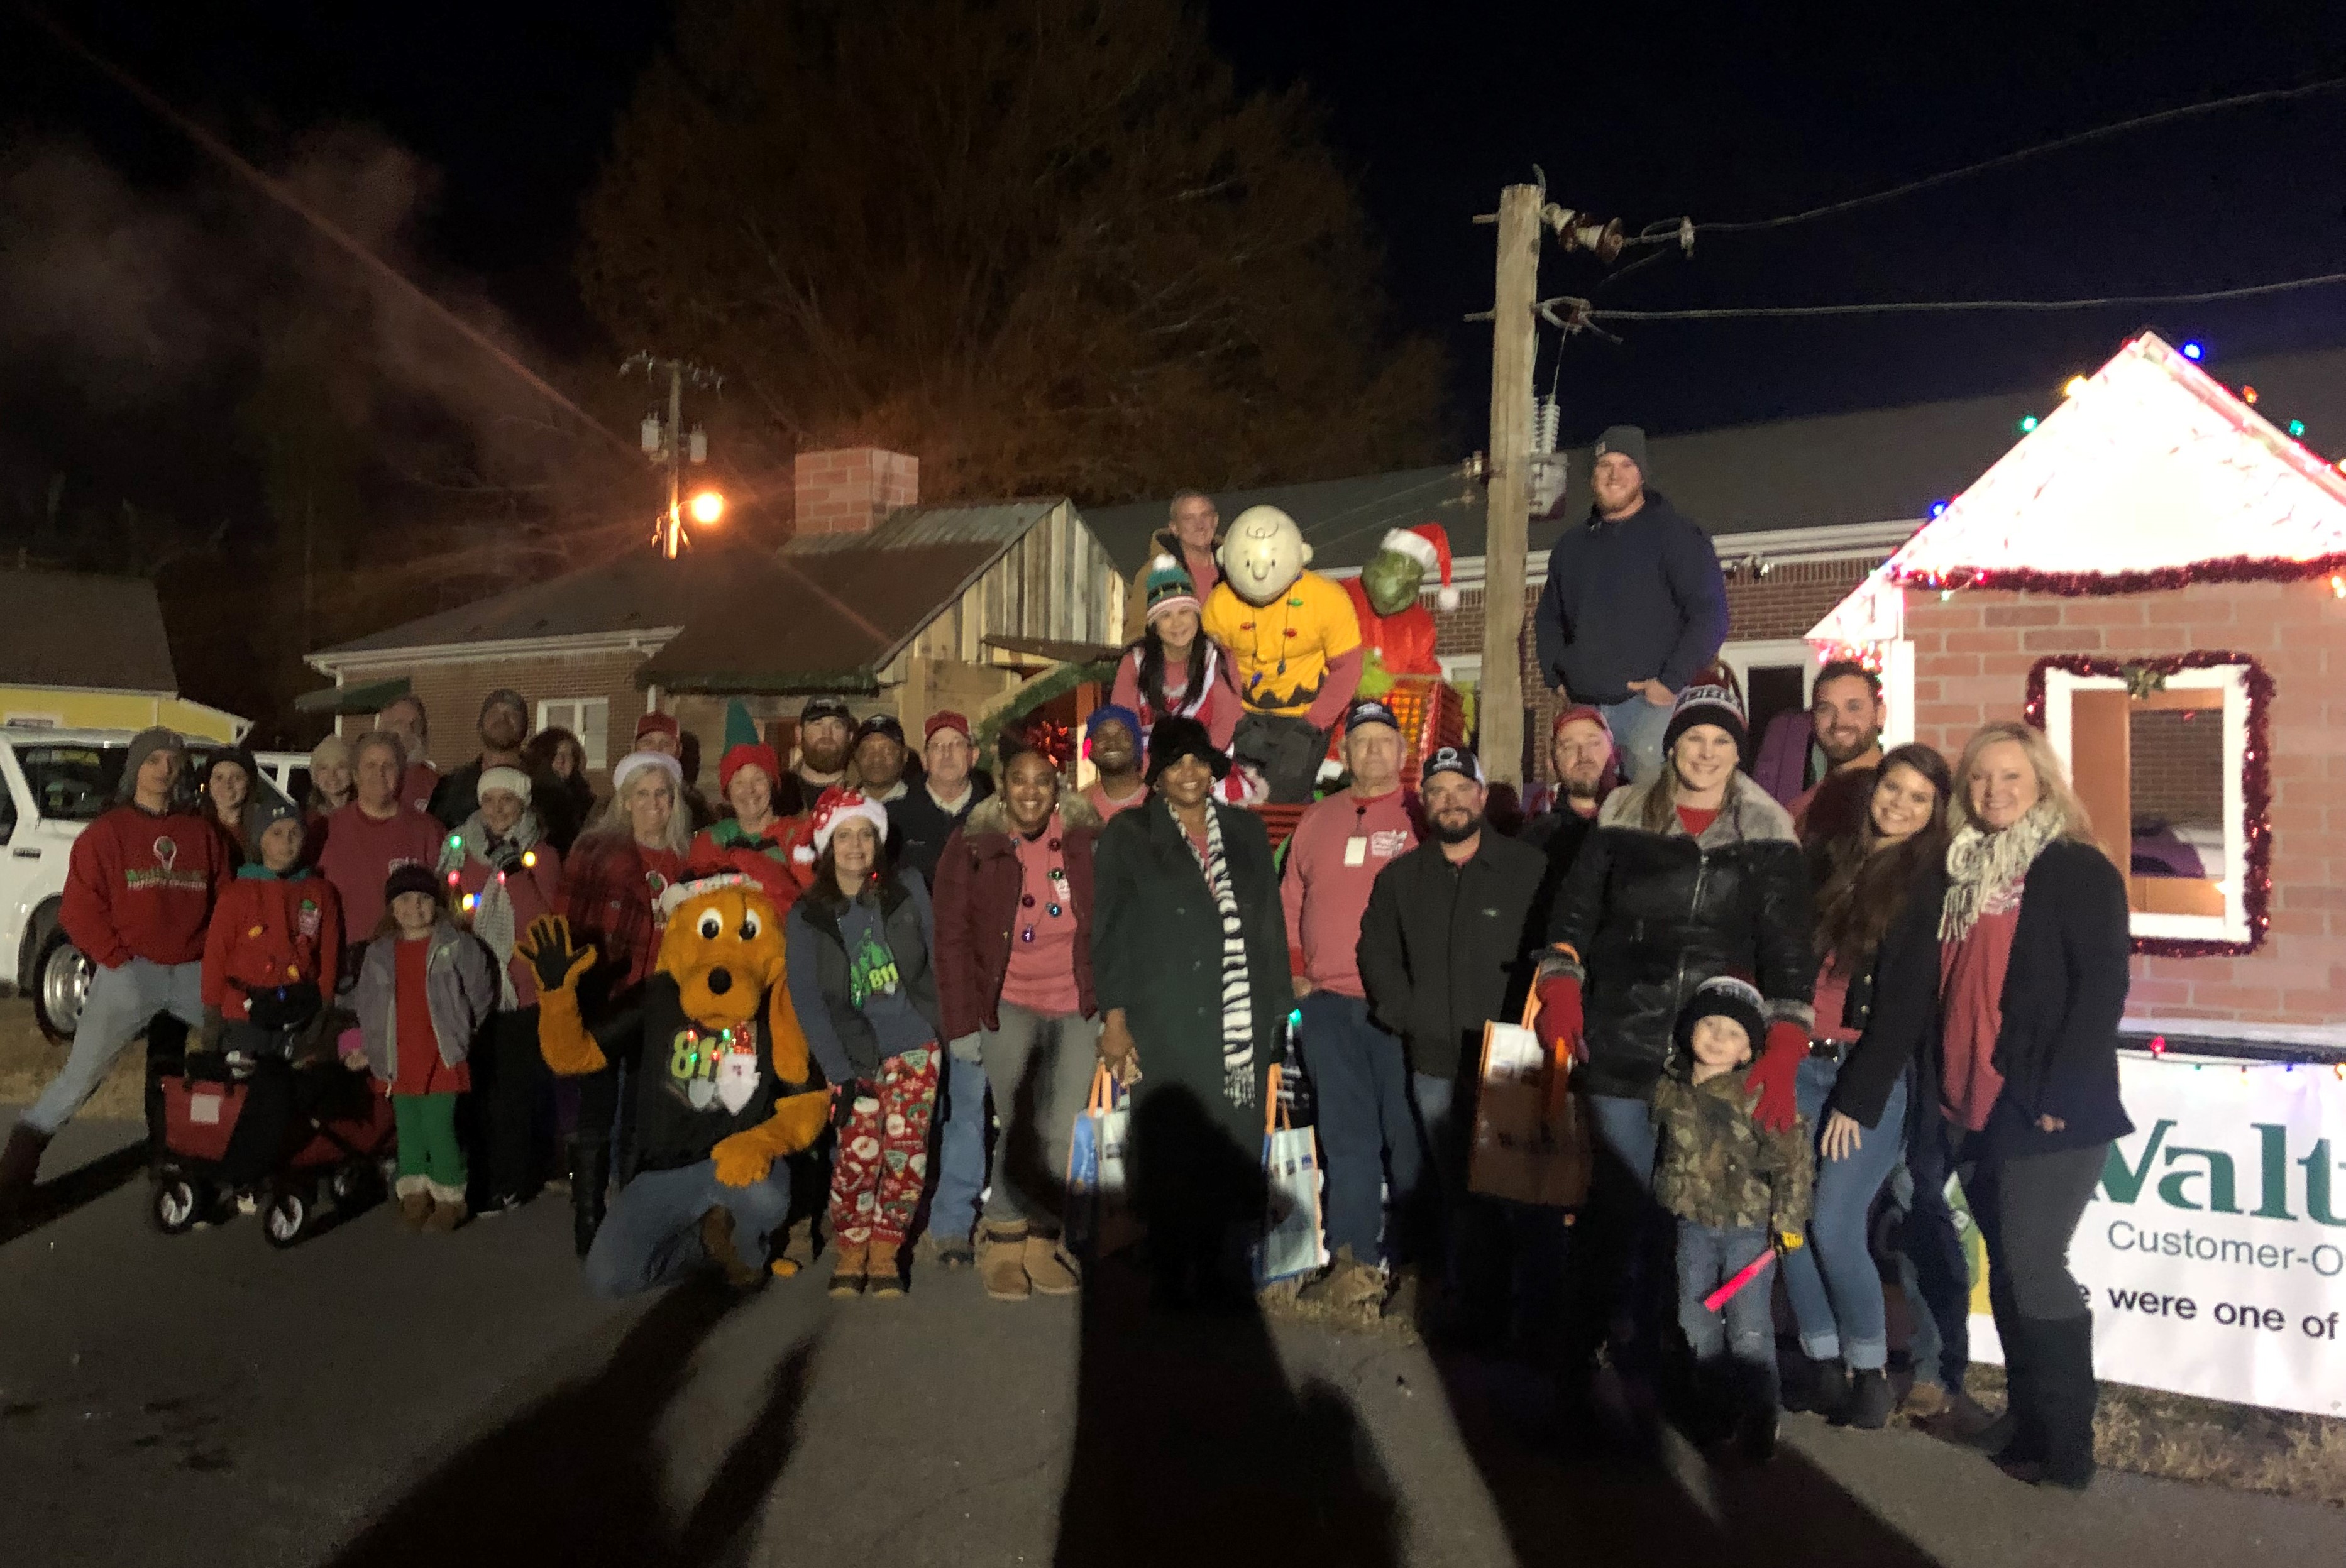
512	780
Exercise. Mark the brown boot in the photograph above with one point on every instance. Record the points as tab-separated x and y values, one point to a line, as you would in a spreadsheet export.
448	1210
848	1273
1348	1283
717	1241
415	1202
20	1168
1048	1268
1001	1262
886	1268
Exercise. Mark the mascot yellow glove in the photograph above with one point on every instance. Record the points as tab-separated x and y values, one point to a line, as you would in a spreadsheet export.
746	1157
561	1035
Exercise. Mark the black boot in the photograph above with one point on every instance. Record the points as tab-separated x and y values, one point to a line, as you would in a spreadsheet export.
2065	1396
2016	1440
590	1174
20	1168
1819	1386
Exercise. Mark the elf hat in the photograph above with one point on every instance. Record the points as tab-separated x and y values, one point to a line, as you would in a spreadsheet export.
1705	702
1169	587
1428	545
751	755
837	806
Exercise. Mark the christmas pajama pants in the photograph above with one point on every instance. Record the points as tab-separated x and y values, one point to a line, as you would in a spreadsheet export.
883	1161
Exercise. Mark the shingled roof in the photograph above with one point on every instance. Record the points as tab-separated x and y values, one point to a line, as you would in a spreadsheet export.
79	629
1878	465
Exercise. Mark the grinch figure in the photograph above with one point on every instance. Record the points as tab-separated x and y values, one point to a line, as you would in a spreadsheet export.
1396	630
1295	645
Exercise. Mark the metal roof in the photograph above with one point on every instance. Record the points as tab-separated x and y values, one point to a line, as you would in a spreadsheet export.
640	591
1002	522
80	629
1878	465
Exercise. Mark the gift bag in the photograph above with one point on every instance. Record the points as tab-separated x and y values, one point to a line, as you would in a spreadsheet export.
1290	1243
1099	1213
1531	1135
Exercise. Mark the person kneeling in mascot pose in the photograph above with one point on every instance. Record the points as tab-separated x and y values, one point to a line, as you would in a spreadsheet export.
725	1093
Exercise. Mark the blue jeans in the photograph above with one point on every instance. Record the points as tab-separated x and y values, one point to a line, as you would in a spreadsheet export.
1619	1249
1638	726
652	1233
120	1003
1369	1137
1744	1329
1835	1287
960	1151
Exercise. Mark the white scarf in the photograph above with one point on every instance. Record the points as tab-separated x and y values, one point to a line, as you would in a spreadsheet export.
1237	987
1984	868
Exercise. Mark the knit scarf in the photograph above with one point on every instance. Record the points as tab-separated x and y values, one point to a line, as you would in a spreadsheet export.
493	910
1983	868
1237	990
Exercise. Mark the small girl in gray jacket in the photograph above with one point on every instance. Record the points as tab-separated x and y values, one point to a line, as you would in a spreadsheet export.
426	989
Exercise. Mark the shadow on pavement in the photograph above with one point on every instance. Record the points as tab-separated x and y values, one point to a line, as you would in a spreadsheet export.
78	1189
578	1477
1190	1446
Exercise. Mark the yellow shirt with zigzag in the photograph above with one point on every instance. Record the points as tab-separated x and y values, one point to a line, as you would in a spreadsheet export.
1281	650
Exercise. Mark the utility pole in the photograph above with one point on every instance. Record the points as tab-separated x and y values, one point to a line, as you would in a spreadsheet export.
670	446
1506	539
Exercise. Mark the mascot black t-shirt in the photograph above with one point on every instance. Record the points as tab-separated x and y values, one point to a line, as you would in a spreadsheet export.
696	1086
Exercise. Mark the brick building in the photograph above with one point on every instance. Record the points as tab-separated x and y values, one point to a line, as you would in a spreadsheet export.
2152	577
893	605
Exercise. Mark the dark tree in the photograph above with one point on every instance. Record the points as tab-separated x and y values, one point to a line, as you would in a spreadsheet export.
1045	246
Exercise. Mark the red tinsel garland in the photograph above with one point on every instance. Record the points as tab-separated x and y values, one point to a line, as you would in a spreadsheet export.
2078	585
2256	781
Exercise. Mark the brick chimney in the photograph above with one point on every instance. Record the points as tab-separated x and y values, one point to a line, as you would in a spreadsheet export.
852	489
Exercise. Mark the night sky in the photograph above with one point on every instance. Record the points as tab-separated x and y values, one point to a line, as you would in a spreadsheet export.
1641	112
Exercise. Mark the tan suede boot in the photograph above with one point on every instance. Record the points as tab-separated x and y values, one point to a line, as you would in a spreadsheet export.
1001	1262
1048	1268
415	1202
886	1269
848	1273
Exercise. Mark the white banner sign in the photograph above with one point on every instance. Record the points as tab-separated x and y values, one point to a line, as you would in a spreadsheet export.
2214	1251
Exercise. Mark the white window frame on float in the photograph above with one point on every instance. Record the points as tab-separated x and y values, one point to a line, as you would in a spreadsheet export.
2061	685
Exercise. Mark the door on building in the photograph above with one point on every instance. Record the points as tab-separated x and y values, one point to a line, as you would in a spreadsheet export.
1776	676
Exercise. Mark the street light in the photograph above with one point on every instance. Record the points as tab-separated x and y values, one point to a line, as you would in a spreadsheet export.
708	506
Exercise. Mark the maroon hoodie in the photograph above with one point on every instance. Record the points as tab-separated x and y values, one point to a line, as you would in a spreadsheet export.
142	885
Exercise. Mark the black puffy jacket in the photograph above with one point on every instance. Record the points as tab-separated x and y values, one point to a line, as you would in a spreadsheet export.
1653	915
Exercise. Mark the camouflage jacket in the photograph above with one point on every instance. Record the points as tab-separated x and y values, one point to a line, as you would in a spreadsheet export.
1714	1166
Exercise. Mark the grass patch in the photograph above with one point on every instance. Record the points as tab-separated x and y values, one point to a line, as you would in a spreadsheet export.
28	1061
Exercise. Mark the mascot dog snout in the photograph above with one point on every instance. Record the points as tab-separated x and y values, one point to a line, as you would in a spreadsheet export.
721	981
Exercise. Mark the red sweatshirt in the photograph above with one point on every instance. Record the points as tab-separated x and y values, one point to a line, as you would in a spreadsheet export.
362	852
271	931
1326	893
140	885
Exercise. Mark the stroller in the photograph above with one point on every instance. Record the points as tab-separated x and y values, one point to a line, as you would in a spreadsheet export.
339	1136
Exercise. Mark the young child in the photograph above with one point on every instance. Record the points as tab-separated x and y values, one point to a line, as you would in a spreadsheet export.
1737	1192
424	990
270	960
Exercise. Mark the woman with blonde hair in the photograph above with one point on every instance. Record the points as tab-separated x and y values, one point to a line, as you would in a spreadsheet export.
2023	1043
332	782
629	855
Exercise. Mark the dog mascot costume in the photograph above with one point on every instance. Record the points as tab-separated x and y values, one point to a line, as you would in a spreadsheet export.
725	1093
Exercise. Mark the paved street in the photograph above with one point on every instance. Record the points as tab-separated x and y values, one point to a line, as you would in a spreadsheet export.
375	1398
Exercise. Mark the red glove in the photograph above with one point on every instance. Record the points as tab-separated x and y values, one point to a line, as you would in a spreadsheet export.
1772	1075
1560	1023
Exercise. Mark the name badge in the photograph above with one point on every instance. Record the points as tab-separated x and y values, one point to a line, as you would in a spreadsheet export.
1356	851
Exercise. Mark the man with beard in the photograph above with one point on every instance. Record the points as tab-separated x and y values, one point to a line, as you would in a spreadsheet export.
1446	947
1112	741
826	737
1845	713
504	725
1580	750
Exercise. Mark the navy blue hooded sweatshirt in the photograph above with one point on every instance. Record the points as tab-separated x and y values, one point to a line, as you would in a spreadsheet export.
1639	599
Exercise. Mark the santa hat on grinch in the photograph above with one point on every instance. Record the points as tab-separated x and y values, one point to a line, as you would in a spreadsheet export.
1428	545
838	805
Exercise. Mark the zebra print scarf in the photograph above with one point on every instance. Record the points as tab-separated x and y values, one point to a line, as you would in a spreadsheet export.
1237	990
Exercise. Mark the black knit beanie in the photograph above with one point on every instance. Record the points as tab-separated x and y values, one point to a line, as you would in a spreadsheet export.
1725	996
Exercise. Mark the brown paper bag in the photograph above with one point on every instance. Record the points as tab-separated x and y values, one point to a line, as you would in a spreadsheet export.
1522	1150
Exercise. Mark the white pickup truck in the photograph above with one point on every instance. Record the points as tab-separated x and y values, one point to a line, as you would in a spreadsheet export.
52	783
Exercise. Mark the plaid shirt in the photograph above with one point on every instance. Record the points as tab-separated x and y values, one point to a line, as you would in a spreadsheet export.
609	888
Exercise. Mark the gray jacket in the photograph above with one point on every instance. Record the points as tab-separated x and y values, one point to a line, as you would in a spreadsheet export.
459	977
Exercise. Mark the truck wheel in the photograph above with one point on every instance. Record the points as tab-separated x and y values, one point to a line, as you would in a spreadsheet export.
60	984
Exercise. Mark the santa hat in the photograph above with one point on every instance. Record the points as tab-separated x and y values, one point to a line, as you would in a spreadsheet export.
837	806
676	893
1428	545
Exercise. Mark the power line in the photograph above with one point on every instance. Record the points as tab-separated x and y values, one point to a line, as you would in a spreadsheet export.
1662	233
1580	310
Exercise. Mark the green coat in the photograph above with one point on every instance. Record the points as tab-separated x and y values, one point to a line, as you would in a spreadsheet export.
1157	952
1714	1166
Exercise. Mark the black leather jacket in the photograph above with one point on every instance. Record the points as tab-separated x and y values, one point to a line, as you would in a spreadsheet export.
1653	915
